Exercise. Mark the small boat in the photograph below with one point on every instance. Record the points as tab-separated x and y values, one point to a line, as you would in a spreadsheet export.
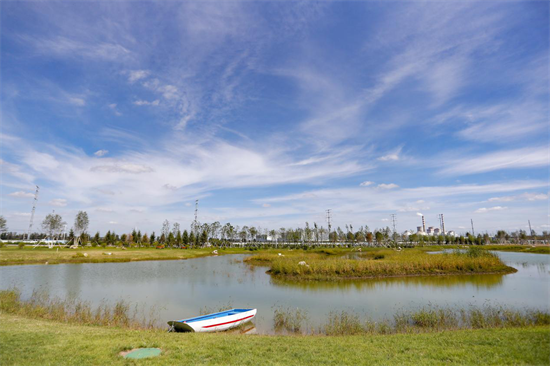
213	322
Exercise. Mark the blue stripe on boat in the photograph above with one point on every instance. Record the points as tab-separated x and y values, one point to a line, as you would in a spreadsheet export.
214	315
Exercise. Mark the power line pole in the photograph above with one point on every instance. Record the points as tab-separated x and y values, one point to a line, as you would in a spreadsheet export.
32	212
196	222
393	219
329	223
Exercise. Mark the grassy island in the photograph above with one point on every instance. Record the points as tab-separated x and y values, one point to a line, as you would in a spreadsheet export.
330	265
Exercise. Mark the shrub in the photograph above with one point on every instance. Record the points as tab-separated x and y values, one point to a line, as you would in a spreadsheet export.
21	245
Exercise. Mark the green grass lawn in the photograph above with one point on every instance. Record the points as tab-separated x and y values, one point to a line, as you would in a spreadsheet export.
11	255
41	342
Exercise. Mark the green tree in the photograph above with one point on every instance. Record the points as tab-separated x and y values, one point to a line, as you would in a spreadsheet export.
379	236
185	237
152	238
204	237
171	239
192	238
138	238
81	223
3	226
53	225
97	238
179	240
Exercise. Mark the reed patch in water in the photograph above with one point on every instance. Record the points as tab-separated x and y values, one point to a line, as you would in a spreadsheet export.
42	305
289	320
435	319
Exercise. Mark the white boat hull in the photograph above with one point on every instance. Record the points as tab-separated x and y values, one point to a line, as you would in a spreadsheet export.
215	323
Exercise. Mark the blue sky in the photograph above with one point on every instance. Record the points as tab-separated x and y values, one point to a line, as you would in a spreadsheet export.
272	112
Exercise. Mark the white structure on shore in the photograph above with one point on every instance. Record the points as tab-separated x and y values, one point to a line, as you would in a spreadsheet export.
433	231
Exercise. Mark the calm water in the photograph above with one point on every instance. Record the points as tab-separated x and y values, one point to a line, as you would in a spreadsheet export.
180	289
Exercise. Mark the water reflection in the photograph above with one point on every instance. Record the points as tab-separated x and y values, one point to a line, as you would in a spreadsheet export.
477	281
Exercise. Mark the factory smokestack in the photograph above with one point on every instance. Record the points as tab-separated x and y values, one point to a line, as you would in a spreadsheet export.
423	224
443	224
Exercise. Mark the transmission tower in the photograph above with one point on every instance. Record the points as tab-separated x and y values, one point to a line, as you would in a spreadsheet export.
32	212
328	223
530	230
196	222
393	220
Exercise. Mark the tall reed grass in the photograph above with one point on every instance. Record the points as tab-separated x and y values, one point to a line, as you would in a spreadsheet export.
434	319
41	305
289	320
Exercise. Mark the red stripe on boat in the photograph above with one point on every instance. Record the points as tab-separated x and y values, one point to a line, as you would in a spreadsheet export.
238	320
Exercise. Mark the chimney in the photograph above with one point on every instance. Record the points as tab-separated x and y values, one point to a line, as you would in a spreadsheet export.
442	224
423	224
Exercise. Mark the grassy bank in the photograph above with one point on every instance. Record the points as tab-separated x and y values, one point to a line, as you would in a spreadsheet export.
519	248
379	263
286	320
43	342
12	255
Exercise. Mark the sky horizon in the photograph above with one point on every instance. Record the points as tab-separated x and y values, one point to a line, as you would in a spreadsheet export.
272	112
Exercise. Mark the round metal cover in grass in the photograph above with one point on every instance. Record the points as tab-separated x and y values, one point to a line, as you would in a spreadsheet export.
143	353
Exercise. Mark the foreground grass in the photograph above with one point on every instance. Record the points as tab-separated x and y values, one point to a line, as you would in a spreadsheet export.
379	263
12	255
42	342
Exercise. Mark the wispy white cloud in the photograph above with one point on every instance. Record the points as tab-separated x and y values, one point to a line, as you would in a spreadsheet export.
100	153
63	46
21	194
113	107
495	208
524	196
366	183
392	156
77	101
136	75
104	210
505	159
58	202
388	186
154	103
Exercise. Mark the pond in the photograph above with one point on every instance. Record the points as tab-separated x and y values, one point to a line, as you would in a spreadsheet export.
181	289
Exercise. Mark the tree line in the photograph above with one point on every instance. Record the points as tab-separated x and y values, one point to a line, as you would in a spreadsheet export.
171	235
